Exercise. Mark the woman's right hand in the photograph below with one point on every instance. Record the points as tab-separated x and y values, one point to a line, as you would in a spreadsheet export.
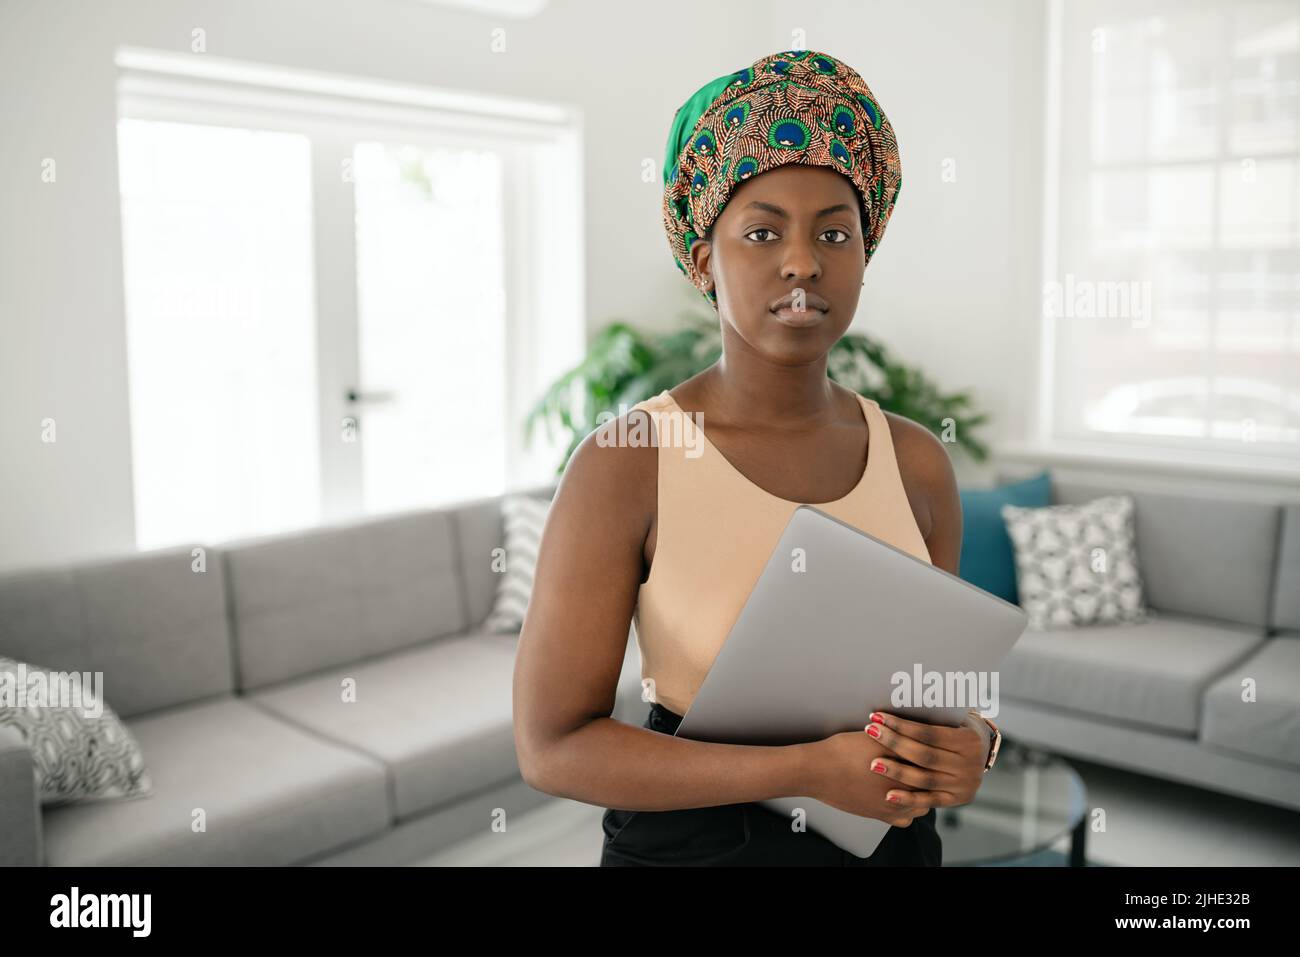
839	772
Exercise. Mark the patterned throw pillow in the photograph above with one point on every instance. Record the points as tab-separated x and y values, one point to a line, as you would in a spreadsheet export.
524	516
1077	564
78	757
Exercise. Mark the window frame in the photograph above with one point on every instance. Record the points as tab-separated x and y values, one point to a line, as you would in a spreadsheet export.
541	148
1265	461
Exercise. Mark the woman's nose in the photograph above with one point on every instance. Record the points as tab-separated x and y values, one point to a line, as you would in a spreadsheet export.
801	262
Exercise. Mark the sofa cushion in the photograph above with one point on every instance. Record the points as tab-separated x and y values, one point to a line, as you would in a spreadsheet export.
1269	726
273	794
480	527
154	623
1151	674
1198	555
1286	587
312	600
438	716
987	560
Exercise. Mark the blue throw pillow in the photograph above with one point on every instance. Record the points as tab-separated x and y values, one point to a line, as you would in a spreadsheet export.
987	558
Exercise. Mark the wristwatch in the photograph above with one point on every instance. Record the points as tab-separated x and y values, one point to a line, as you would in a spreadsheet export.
997	740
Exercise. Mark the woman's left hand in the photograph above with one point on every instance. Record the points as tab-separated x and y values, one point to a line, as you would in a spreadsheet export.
942	766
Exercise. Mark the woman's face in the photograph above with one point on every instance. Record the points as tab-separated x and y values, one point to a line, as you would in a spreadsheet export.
790	228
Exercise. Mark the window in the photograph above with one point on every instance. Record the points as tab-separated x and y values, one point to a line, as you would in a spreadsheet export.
216	228
342	296
1171	300
430	285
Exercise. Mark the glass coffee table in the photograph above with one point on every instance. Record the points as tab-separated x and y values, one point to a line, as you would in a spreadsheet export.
1027	802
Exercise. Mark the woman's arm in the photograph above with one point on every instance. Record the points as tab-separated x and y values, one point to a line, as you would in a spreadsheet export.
931	486
571	652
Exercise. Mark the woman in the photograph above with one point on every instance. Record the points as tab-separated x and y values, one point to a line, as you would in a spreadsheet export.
779	181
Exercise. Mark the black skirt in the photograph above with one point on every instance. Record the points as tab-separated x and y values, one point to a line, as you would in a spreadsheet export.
746	834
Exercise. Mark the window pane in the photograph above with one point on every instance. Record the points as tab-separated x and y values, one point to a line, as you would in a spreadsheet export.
1152	208
1265	79
430	274
1256	204
1186	179
1118	203
1117	122
1181	207
1183	124
221	345
1117	51
1257	348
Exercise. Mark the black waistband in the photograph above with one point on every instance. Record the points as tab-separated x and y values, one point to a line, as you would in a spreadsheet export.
661	719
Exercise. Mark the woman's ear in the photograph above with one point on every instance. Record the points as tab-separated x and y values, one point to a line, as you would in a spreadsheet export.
701	256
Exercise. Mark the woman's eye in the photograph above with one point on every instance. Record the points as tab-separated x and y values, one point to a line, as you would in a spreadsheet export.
770	232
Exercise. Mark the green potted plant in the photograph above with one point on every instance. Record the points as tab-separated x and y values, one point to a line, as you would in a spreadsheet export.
625	365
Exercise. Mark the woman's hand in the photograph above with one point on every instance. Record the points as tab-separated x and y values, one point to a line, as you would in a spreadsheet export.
940	766
839	773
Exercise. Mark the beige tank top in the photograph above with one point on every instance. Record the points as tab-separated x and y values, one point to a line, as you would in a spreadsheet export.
715	533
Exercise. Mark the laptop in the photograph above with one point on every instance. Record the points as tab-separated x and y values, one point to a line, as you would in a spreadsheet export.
823	633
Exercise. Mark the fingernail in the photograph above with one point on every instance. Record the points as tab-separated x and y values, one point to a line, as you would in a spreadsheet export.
873	731
892	797
878	767
875	716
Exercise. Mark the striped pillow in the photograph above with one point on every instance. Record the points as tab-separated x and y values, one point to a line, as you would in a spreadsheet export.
524	516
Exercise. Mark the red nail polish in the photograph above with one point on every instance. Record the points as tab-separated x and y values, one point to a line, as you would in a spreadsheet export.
877	767
873	731
875	716
892	797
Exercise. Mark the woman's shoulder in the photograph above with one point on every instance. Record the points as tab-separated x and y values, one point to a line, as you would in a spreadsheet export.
916	443
925	468
615	467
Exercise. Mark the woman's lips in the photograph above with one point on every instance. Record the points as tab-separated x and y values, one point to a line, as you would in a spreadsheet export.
799	318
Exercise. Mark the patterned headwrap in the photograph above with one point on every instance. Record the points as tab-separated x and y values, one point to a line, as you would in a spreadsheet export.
797	106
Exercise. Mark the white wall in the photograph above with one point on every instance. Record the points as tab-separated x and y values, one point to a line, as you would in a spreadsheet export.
947	290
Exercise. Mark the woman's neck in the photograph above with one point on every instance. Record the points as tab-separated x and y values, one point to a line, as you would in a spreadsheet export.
781	398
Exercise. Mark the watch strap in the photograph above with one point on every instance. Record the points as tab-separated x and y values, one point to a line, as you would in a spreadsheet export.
995	745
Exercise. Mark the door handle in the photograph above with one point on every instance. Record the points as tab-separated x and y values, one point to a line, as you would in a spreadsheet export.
359	397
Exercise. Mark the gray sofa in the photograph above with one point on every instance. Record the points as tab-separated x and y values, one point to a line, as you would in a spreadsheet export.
232	680
1164	697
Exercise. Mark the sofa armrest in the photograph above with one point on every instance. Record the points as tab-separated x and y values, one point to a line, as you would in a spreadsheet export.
20	809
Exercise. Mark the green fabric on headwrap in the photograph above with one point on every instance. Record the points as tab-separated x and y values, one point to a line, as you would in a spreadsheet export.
687	116
792	107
